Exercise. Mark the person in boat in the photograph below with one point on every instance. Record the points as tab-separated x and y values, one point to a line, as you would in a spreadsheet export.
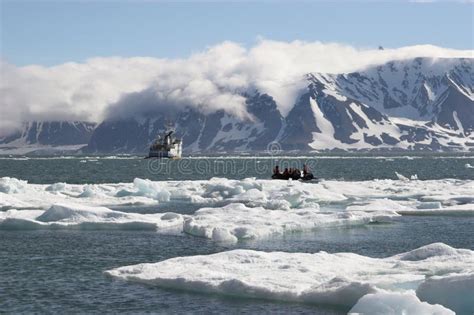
276	170
307	175
305	170
286	172
296	172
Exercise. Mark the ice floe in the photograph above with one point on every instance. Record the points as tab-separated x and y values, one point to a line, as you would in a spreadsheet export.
9	185
223	224
73	216
455	291
236	221
405	196
438	273
377	204
393	303
404	178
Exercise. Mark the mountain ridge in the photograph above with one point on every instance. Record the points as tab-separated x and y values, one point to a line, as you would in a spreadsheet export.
413	104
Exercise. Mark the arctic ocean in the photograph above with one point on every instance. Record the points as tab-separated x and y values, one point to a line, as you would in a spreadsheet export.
120	234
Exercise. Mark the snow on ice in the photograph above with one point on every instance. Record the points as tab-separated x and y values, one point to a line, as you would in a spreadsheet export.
438	273
236	221
62	216
226	224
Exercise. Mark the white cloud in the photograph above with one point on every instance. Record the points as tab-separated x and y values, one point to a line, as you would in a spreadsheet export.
210	80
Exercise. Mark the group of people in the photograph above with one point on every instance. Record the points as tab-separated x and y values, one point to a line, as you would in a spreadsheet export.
291	172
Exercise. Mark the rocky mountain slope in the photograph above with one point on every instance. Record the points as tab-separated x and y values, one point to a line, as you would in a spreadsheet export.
47	136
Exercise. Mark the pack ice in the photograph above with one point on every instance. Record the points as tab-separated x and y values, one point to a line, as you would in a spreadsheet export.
223	224
433	279
430	197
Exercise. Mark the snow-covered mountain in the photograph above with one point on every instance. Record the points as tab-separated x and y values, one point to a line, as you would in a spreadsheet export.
411	104
47	137
416	104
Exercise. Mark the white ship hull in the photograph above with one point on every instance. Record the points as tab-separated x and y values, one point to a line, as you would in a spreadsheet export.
164	155
166	148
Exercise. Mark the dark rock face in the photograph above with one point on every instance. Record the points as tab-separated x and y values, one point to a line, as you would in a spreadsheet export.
212	125
300	124
54	133
115	136
456	110
265	110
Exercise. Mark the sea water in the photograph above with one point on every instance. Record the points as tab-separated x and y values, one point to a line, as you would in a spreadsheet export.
61	270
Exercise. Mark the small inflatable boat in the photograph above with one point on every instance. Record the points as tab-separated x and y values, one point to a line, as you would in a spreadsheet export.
308	176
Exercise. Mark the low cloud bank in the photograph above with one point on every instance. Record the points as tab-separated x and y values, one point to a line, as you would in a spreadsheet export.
210	80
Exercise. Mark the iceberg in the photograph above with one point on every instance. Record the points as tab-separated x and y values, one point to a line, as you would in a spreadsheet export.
339	279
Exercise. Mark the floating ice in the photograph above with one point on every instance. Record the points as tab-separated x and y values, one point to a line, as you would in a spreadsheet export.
404	178
454	291
8	201
401	177
413	207
147	188
19	215
224	224
339	279
56	187
238	222
9	185
431	197
467	165
377	204
88	192
62	216
432	251
392	303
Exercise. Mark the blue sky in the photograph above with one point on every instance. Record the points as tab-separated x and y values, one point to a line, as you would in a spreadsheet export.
49	33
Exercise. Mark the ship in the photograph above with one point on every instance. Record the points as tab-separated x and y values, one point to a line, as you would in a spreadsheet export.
166	146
